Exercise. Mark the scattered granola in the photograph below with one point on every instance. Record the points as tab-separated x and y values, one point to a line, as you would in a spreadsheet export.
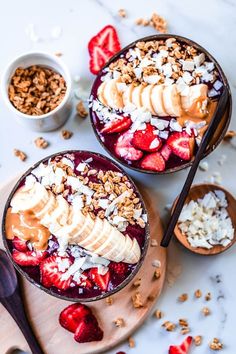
109	300
58	54
197	340
183	297
81	110
215	344
41	143
183	322
158	23
157	274
20	154
184	330
206	311
131	342
119	322
137	300
229	135
154	243
66	134
36	90
198	293
122	13
169	326
208	297
158	314
137	283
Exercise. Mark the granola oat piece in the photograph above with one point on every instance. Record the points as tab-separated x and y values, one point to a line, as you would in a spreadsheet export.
197	340
66	134
229	135
81	110
169	326
58	54
119	322
208	296
185	330
109	300
183	322
20	154
131	342
154	243
36	90
198	293
157	274
41	143
137	300
122	13
215	344
183	297
206	311
137	283
158	23
142	22
158	314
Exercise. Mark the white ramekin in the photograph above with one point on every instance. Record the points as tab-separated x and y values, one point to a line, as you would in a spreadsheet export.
53	119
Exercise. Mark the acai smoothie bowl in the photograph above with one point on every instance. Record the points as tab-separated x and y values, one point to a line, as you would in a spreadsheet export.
152	102
76	226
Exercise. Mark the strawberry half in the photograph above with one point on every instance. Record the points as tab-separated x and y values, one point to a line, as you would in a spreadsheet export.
19	244
51	276
125	149
99	57
183	348
146	139
88	330
117	126
71	316
153	162
28	258
100	280
106	38
165	152
182	145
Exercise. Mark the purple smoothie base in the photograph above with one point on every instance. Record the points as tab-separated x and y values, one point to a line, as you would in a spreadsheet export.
134	231
109	140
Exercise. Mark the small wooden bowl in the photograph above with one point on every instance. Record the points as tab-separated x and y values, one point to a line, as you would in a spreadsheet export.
198	191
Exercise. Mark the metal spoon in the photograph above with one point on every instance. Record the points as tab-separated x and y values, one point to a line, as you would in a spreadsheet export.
10	297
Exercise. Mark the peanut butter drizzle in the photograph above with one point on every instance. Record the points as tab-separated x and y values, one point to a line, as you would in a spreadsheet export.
192	116
27	227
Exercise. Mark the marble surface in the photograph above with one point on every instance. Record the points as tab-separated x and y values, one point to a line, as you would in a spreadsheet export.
212	23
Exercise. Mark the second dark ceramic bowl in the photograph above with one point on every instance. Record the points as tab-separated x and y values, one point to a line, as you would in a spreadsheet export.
112	165
220	131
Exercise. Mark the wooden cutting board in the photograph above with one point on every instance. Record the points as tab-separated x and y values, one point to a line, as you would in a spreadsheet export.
43	310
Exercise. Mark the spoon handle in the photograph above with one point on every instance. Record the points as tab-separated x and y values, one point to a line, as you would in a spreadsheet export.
15	307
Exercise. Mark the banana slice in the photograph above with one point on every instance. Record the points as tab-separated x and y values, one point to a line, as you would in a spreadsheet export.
171	100
146	99
83	232
157	100
59	215
51	204
195	102
96	232
101	93
33	198
112	95
134	254
101	238
127	95
137	96
75	223
114	238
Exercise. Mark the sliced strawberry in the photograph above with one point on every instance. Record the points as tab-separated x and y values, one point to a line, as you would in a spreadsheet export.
28	258
100	280
146	139
106	38
85	283
166	152
153	162
51	276
119	269
88	330
19	244
182	145
183	348
71	316
99	57
117	126
125	149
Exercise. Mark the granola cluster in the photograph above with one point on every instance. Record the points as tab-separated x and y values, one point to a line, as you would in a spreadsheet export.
156	21
36	90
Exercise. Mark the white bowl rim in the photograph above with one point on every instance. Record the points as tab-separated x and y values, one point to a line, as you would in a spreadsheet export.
53	58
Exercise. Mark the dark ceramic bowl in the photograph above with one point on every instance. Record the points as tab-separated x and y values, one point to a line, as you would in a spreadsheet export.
220	131
111	165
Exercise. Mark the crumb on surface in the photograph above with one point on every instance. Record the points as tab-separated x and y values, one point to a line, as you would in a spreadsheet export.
157	274
122	13
206	311
119	322
229	135
109	300
81	110
66	134
137	300
156	21
197	340
20	154
215	344
198	293
158	314
183	297
131	342
41	143
137	282
169	326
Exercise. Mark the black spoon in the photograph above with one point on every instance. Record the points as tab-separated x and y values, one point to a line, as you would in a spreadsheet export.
10	297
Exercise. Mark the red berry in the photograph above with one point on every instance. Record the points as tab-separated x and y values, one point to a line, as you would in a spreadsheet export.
106	38
101	280
165	152
28	258
182	145
88	330
71	316
117	126
153	162
183	348
51	276
119	269
125	149
98	59
146	139
19	244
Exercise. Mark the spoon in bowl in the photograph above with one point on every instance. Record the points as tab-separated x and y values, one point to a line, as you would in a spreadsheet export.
10	297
